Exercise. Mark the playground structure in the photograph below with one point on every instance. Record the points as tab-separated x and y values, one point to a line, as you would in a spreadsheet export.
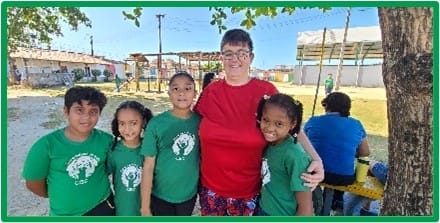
159	75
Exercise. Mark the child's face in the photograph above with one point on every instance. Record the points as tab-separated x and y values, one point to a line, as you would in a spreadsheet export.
130	125
275	124
182	93
82	118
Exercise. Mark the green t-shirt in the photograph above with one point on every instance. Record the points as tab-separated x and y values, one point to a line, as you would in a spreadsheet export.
126	166
282	167
75	171
328	82
117	81
175	144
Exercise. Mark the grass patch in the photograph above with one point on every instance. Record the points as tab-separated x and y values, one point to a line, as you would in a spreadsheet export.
56	120
378	147
13	113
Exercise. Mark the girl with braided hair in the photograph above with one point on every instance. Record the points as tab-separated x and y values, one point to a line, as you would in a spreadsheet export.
124	159
283	192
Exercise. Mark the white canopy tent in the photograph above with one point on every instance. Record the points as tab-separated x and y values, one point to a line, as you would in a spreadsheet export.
362	43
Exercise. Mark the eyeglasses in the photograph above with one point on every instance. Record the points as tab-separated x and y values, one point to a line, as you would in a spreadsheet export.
241	54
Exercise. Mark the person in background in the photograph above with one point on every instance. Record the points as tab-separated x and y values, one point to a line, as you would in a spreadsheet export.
171	154
336	146
207	79
118	83
68	165
328	83
283	193
338	139
124	160
231	158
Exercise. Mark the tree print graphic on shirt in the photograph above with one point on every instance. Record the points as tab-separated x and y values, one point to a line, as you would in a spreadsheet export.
81	167
183	145
131	176
265	172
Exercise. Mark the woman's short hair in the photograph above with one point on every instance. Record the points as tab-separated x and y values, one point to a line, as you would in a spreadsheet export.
337	102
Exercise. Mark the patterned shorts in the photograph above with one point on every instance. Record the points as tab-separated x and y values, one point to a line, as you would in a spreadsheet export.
213	204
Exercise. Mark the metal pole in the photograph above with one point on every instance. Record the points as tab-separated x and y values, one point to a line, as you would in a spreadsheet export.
91	45
320	70
159	62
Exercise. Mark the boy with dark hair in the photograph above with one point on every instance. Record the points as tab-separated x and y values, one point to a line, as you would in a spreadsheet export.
68	165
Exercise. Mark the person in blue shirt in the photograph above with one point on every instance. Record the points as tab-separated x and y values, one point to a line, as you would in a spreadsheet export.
338	139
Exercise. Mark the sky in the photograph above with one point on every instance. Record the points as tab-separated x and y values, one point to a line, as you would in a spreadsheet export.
189	29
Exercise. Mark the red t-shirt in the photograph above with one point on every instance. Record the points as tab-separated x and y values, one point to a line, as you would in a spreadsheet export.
231	144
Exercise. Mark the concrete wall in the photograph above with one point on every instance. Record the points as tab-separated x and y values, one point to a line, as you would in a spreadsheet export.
369	75
44	80
120	71
45	66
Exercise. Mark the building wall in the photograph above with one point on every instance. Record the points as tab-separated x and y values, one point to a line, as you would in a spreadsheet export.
369	75
47	66
120	70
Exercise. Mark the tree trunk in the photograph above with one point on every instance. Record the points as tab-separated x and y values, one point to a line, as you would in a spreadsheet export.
11	71
407	74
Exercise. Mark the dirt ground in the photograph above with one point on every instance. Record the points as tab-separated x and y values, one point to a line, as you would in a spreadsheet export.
29	109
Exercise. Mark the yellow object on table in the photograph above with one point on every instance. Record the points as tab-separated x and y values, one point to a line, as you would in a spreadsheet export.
371	188
362	166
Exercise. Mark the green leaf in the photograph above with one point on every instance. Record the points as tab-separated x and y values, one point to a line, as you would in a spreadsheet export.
130	16
32	26
251	13
137	12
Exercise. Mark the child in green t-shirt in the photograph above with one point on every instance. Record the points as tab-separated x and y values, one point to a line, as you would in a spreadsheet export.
171	154
124	160
283	192
68	165
328	84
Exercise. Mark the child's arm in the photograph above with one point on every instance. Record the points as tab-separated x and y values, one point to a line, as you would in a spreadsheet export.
38	187
147	185
308	147
305	203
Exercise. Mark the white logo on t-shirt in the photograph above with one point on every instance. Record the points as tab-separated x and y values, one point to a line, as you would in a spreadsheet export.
82	166
183	145
131	176
265	172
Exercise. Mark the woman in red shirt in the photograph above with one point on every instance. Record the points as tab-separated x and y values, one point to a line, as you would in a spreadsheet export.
231	144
